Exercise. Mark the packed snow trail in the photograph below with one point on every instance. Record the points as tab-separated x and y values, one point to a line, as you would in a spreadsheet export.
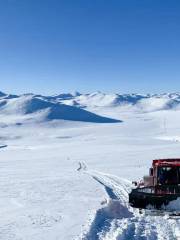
118	221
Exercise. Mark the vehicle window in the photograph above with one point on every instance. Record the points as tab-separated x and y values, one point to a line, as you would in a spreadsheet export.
168	175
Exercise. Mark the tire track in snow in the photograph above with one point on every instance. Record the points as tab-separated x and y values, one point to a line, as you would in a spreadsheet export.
116	188
118	221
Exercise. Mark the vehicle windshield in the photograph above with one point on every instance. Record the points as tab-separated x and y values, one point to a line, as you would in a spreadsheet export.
169	175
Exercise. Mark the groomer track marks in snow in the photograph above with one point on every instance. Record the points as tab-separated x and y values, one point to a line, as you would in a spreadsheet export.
118	221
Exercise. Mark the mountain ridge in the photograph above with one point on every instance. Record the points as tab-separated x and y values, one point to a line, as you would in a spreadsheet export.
39	107
88	101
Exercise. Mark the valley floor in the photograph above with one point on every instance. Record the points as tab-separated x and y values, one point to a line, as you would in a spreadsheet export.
66	180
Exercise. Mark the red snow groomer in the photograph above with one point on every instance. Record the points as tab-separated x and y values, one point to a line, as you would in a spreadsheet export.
159	188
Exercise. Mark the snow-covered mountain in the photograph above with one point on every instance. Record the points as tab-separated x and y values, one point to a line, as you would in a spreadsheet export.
147	103
45	108
82	107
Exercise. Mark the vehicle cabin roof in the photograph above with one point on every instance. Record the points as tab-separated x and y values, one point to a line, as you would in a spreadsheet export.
168	162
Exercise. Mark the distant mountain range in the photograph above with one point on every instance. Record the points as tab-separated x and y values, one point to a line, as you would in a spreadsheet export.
141	102
78	107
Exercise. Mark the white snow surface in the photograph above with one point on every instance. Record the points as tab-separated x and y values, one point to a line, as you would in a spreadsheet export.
69	180
174	205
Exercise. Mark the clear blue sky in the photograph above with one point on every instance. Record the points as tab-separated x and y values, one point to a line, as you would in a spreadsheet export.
52	46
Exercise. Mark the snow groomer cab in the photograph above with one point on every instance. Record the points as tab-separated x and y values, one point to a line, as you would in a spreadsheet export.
159	188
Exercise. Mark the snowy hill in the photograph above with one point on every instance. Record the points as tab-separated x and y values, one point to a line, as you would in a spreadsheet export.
93	107
147	103
41	108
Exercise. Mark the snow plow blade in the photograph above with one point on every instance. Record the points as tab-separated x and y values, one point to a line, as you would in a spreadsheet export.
151	196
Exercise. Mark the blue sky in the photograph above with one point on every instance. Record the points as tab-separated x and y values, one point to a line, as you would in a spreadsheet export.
52	46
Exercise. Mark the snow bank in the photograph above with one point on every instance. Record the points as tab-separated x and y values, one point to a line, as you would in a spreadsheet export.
174	205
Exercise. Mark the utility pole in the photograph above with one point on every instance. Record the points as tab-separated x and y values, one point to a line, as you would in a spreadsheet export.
165	125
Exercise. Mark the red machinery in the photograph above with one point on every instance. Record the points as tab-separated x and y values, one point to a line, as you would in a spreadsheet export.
160	187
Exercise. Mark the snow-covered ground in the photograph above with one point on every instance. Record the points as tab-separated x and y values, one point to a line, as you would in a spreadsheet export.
68	180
